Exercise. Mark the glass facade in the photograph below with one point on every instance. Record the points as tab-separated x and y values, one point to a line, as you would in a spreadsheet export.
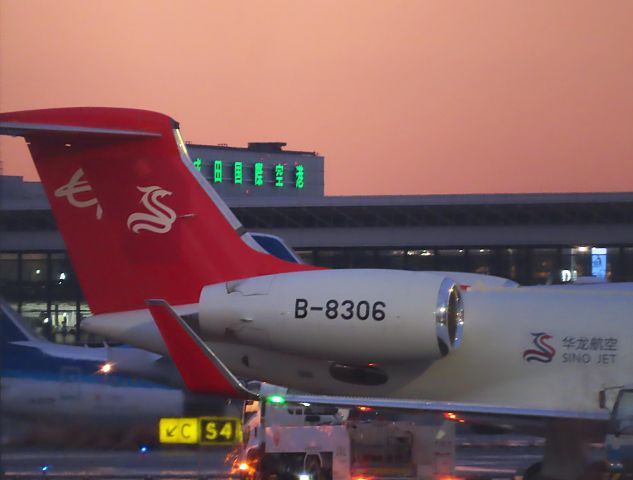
525	265
43	287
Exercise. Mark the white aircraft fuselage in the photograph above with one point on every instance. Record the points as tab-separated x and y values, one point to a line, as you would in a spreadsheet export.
530	347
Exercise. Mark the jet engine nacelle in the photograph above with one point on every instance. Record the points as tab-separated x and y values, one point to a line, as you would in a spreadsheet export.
356	316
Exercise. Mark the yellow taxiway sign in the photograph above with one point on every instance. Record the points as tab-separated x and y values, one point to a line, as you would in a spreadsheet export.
179	430
203	430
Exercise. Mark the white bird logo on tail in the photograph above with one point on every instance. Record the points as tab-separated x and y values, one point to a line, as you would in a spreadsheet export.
161	218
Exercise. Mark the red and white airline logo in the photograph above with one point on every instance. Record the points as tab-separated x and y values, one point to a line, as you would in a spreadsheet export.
76	186
160	219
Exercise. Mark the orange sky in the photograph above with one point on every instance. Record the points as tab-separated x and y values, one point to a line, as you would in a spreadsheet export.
401	97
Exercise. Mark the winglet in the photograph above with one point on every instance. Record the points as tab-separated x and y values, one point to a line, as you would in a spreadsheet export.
201	370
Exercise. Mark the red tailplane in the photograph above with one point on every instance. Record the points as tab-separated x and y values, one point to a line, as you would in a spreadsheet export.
138	220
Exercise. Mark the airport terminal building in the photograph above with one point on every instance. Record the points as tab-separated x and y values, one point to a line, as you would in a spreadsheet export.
530	238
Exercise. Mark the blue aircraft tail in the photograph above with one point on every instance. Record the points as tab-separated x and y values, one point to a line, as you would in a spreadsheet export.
12	329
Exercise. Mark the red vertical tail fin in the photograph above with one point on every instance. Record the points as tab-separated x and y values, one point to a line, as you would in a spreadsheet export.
138	220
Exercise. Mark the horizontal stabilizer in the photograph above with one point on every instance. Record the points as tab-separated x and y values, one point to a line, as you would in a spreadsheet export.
21	129
201	370
12	327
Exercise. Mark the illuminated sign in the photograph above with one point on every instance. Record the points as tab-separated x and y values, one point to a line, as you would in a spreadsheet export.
599	263
217	171
200	430
567	276
258	174
299	176
220	430
279	175
237	173
179	430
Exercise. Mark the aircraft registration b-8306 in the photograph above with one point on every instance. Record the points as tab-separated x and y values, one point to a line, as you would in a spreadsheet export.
140	223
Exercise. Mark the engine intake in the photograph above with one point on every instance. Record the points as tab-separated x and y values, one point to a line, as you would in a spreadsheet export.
449	316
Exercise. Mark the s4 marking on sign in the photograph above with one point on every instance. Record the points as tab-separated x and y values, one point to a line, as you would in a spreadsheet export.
179	430
220	430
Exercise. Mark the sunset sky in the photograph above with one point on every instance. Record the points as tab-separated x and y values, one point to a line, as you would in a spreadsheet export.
401	97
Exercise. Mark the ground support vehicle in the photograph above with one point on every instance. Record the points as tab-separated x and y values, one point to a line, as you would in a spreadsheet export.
318	443
619	441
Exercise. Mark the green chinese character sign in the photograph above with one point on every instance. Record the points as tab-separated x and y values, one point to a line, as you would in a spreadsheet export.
299	177
260	170
258	177
237	173
217	171
279	175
